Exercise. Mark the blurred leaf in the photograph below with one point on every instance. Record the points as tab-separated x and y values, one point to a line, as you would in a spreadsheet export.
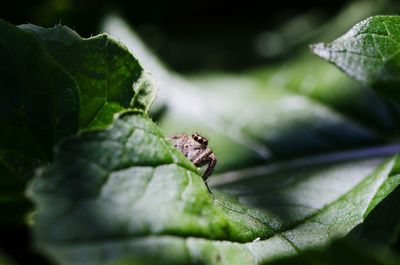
127	192
341	253
369	52
294	33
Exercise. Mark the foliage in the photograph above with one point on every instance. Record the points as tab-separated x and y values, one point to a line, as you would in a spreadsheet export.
54	84
369	52
108	187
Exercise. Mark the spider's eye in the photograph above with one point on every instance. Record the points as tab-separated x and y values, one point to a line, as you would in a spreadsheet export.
201	140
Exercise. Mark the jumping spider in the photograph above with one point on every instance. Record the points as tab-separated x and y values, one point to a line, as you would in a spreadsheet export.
195	149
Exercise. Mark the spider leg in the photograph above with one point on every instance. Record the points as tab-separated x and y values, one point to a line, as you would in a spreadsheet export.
212	162
202	158
208	188
207	157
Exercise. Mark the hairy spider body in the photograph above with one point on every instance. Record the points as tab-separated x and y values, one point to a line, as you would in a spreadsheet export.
195	148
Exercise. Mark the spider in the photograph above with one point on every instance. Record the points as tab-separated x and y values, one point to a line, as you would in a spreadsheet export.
196	150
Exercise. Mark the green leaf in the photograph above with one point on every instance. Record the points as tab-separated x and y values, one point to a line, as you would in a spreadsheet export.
126	191
39	105
382	226
134	166
53	84
109	77
369	52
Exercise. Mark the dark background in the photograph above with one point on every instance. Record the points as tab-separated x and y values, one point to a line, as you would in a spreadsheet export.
189	36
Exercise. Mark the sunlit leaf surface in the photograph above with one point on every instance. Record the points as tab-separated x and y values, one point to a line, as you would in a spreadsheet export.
125	188
369	52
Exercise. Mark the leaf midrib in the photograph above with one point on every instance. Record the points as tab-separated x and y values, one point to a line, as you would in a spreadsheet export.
305	162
